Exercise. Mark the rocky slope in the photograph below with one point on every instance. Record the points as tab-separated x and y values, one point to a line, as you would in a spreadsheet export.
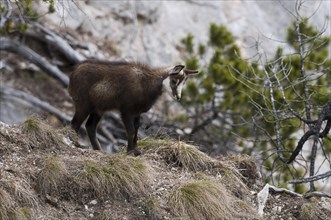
150	31
43	175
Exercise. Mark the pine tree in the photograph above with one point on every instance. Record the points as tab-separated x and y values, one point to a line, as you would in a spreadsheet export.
263	101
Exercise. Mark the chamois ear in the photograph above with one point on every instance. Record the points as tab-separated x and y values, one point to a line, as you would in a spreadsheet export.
191	72
176	69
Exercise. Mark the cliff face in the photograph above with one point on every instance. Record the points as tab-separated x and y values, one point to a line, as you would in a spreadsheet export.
150	30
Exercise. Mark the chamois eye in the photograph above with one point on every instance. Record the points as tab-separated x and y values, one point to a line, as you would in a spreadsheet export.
174	81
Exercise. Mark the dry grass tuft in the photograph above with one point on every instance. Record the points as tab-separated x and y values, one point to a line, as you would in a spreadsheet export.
51	176
151	208
245	210
17	200
247	167
310	211
7	210
201	199
179	154
117	176
190	158
70	134
39	134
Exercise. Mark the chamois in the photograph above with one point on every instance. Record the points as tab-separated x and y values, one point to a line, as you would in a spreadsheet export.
128	87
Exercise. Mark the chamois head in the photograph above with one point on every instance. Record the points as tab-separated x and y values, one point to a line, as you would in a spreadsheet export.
178	77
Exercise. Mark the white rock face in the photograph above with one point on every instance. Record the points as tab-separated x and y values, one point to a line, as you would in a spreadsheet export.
150	30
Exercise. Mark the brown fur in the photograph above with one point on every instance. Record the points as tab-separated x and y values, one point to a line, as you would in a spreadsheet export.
121	86
130	88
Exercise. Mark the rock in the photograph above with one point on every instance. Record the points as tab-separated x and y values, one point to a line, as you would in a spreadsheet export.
150	31
93	202
277	209
14	110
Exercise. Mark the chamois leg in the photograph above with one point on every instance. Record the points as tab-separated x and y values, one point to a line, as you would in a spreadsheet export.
136	127
130	130
91	128
78	119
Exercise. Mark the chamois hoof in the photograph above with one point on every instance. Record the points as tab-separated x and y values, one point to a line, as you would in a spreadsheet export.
134	152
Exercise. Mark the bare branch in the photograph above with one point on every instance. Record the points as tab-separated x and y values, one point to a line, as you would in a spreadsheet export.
283	190
316	194
300	144
326	130
7	14
25	52
314	130
37	102
311	178
59	42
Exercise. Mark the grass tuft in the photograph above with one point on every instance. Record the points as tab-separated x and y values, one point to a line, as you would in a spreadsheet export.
40	134
51	176
17	200
310	211
246	166
201	199
151	208
179	153
190	158
24	213
118	176
6	205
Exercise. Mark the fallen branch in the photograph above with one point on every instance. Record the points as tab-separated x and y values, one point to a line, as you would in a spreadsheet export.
283	190
311	178
316	194
306	195
74	43
37	102
52	38
30	55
